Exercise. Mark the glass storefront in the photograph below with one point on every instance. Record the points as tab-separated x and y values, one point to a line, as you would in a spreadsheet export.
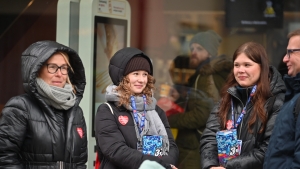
160	28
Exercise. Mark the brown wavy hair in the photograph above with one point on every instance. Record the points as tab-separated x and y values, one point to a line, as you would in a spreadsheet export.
257	53
124	90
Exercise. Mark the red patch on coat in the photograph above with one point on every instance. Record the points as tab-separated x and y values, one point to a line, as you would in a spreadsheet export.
123	120
80	132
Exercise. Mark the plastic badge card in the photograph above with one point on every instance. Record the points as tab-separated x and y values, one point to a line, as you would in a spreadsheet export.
152	145
228	145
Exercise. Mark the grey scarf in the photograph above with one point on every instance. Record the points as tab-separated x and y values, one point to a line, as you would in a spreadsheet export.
59	98
153	123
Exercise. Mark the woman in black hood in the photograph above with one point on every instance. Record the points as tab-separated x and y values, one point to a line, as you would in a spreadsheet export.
130	127
45	127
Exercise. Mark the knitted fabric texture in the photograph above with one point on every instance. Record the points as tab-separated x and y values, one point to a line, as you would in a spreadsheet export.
137	63
61	98
209	40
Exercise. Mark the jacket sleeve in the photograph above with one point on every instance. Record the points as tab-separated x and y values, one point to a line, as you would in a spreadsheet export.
255	158
113	145
208	142
283	151
13	122
172	157
296	159
199	107
84	151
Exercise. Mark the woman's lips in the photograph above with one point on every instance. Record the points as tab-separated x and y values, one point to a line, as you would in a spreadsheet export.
242	77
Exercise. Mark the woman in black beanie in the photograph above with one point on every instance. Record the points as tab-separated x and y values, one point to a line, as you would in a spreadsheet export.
130	128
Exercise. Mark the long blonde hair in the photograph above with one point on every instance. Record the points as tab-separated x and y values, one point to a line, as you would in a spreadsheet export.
124	90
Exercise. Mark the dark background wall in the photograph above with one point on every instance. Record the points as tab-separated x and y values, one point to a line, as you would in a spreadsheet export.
22	23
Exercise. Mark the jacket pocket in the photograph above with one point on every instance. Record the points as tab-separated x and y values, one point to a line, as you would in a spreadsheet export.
248	145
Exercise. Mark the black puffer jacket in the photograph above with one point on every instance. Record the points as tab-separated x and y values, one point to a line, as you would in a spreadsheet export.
118	142
29	134
254	145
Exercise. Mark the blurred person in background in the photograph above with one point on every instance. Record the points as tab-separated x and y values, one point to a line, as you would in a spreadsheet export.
203	91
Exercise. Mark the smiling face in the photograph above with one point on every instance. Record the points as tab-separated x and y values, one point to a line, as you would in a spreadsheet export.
246	71
137	81
57	78
293	63
198	55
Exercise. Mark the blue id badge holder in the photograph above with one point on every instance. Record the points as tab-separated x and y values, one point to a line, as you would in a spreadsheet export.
152	145
229	146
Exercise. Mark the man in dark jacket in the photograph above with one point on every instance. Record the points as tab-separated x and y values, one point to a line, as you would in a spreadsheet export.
45	127
284	147
204	86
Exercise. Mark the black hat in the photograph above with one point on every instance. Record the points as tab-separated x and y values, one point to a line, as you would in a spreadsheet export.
137	63
121	60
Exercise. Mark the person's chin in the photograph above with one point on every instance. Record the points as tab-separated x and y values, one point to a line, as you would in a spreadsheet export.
193	65
291	73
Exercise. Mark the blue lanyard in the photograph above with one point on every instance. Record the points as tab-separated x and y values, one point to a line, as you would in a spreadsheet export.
244	109
142	124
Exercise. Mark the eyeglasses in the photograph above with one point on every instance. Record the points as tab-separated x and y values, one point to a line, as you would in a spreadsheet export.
289	51
52	68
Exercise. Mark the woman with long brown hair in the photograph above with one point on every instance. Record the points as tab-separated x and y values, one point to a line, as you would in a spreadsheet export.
250	101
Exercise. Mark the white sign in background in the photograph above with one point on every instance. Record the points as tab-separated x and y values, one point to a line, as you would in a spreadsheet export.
112	7
103	6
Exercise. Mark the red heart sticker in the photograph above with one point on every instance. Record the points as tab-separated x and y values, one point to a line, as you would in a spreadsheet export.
123	120
80	132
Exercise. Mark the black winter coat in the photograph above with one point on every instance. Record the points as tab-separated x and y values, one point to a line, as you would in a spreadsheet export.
118	142
29	133
254	145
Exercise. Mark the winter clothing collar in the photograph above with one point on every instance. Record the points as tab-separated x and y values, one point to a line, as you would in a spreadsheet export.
292	85
244	93
59	98
210	66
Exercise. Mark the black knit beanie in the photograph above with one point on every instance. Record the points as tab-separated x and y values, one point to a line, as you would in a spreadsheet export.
137	63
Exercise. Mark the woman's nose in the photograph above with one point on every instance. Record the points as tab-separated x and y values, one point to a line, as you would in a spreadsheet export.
58	72
241	69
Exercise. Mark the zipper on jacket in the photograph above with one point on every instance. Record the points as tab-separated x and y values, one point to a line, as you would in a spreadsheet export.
60	164
239	135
